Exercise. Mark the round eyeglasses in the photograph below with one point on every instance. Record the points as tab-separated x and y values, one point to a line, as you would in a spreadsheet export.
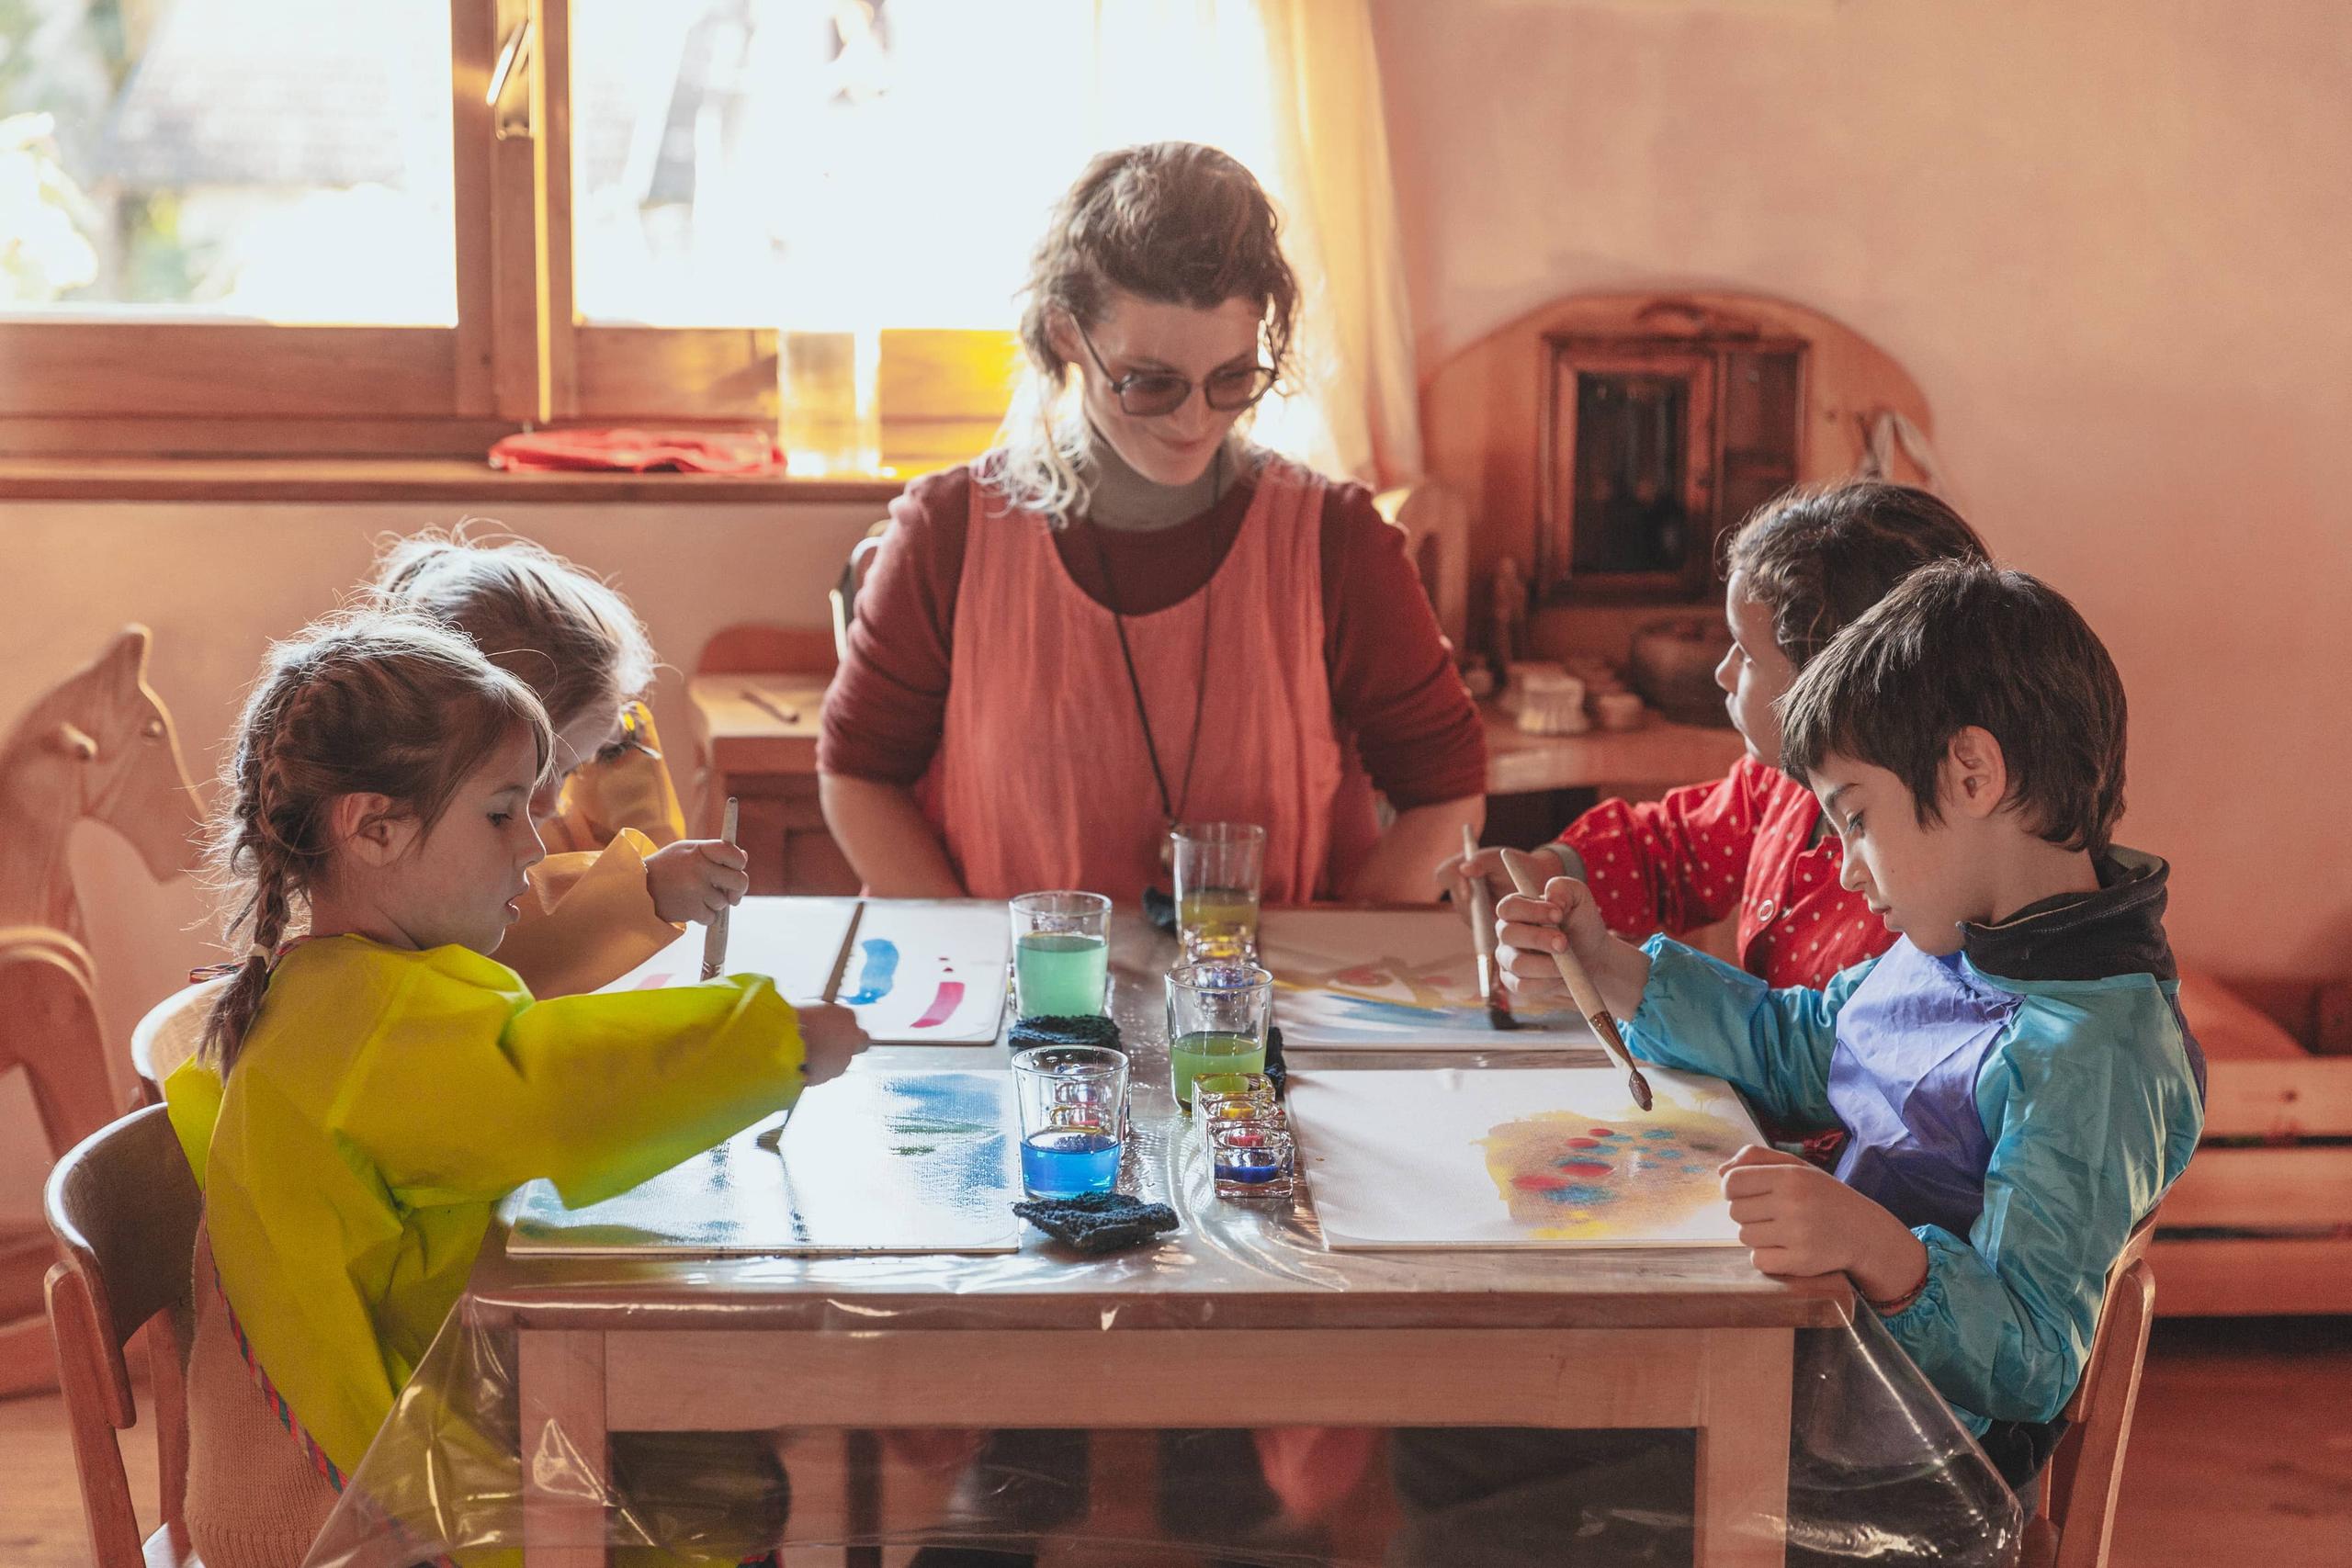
1147	394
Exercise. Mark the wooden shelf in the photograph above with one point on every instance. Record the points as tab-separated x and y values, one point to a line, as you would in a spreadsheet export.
401	478
1644	761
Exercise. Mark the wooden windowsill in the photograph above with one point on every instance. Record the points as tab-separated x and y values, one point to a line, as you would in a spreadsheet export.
401	478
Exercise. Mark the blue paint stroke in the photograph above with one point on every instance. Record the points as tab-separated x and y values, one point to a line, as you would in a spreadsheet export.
877	974
953	1125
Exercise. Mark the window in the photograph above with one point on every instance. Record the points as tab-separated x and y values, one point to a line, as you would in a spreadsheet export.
276	225
231	224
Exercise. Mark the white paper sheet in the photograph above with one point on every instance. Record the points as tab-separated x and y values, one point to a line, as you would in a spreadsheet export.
1488	1157
929	971
793	942
1368	979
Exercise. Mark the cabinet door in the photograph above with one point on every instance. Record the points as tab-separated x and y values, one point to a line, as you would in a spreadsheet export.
1628	497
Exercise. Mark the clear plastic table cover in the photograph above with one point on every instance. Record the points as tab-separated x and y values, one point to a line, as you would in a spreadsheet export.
1879	1470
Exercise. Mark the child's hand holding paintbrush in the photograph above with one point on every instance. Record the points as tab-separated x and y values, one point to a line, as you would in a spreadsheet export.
1552	937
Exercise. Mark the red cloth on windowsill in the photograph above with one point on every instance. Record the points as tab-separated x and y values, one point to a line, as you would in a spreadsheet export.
640	451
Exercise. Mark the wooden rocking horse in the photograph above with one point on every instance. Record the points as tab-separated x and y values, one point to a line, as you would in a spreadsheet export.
98	745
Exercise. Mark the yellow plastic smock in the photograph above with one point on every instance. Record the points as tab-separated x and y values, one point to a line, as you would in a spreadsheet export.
587	920
631	789
588	917
387	1099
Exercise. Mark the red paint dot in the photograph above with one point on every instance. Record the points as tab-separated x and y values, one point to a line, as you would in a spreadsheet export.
1539	1183
1600	1133
1582	1169
1584	1143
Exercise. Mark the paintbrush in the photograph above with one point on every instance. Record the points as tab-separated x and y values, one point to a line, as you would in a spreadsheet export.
1580	986
1482	933
840	961
714	940
770	707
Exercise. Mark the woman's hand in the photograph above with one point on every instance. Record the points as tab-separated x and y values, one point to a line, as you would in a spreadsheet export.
830	1036
1795	1218
694	879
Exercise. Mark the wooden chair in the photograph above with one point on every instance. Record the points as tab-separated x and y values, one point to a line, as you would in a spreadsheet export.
843	593
2076	1515
123	1209
49	1029
771	766
168	1036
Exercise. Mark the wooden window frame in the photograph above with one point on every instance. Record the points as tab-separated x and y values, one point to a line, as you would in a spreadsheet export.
517	357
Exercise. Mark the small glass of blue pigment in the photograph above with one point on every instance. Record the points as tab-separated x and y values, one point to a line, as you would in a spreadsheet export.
1073	1118
1253	1159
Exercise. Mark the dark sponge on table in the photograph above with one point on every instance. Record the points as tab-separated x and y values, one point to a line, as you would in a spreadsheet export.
1098	1222
1045	1028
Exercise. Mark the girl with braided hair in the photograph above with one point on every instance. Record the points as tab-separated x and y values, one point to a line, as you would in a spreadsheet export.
368	1092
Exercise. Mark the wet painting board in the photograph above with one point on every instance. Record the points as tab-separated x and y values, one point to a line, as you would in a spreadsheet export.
1360	979
918	972
886	1159
1498	1157
793	942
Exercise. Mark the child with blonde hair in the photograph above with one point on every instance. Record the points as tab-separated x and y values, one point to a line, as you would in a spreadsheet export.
368	1092
621	877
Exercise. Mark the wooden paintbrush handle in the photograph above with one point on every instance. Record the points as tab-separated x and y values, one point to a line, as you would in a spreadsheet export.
1572	971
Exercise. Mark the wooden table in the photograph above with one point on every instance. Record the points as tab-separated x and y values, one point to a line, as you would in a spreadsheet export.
758	735
1661	1338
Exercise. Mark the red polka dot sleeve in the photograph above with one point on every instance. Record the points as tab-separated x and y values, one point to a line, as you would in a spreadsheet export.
1672	864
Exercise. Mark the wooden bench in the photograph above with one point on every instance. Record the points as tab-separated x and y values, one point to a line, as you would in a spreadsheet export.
2262	1221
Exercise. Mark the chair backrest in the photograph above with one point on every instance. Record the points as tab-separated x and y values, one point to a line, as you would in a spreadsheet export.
843	593
123	1208
168	1036
2087	1471
1436	526
752	648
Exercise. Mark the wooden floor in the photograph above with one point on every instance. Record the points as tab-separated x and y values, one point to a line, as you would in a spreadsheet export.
2242	1452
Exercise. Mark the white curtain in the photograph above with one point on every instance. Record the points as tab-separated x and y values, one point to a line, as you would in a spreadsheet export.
1292	88
1333	173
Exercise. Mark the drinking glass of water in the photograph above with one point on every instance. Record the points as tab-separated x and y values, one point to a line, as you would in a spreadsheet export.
1061	955
1073	1118
1217	1013
1218	870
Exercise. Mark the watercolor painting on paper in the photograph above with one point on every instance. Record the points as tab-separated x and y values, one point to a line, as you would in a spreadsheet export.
890	1157
1502	1157
917	972
1361	979
929	971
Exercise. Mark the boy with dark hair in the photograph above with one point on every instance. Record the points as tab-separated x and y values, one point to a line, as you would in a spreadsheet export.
2016	1083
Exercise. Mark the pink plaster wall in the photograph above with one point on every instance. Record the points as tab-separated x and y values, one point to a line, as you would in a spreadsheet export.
2111	240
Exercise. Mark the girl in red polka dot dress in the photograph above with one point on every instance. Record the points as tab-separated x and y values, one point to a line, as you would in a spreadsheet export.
1753	842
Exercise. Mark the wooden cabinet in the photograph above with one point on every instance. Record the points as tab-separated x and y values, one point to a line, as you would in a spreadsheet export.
758	735
1654	447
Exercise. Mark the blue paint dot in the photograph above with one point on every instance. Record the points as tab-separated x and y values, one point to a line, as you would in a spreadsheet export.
1657	1133
1580	1192
1692	1169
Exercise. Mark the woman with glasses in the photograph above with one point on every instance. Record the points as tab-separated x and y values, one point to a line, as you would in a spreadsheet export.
1127	616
